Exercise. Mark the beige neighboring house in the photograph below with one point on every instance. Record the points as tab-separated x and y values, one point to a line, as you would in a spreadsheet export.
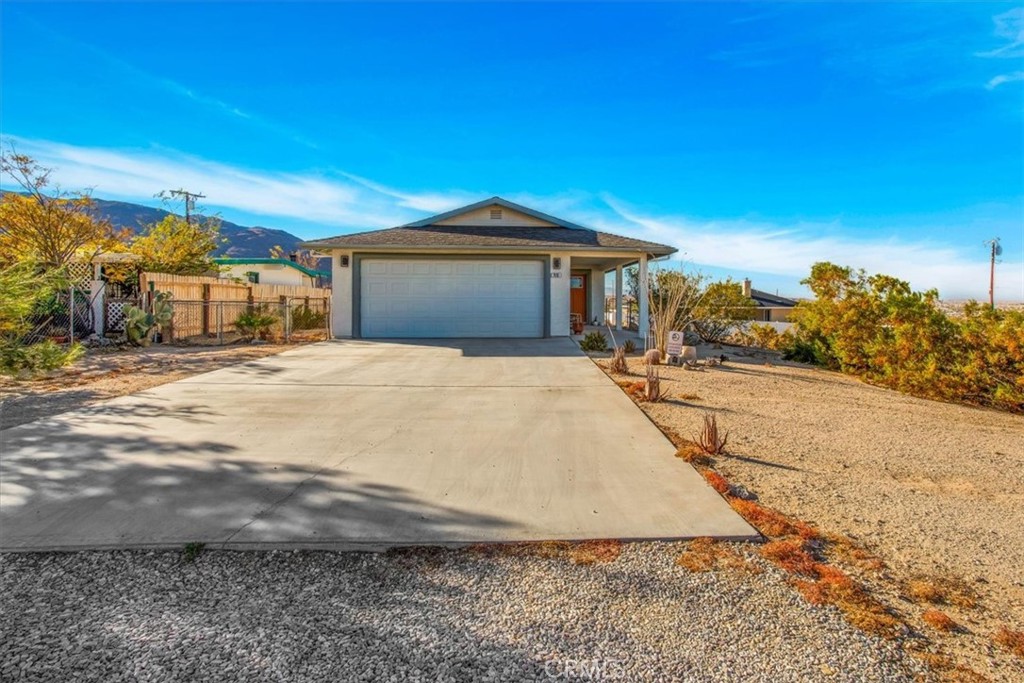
490	269
770	307
271	271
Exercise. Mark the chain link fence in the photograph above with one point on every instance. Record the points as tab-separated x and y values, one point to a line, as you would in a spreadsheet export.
64	318
214	323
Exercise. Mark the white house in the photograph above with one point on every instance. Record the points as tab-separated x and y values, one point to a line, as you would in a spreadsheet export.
490	269
270	271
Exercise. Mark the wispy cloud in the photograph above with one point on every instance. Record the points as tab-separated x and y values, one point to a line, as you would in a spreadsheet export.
789	250
1009	26
434	202
1005	78
138	174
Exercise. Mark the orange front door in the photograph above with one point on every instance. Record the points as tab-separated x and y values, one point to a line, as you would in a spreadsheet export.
578	295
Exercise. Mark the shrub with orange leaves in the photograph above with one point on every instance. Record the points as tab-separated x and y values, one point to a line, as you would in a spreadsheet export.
593	552
791	555
716	480
1011	640
939	620
770	522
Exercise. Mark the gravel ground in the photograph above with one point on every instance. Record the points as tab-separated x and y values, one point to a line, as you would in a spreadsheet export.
455	615
932	488
105	373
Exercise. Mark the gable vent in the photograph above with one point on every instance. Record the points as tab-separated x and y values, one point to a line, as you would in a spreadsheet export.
495	214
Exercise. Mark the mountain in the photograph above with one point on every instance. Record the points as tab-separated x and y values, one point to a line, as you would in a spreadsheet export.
242	241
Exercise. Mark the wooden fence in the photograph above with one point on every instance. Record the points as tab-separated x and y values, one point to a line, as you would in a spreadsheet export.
205	306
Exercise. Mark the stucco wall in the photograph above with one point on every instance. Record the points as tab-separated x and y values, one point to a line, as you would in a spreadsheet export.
483	217
341	295
270	273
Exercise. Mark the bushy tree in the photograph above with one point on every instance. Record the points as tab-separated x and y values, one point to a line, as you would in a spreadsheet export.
178	246
24	288
878	328
721	309
48	228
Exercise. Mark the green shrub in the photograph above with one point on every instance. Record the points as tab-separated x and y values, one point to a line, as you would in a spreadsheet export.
305	318
594	341
876	327
255	323
28	293
33	359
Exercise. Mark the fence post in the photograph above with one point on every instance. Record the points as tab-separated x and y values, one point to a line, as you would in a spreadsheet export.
206	310
71	312
286	316
220	322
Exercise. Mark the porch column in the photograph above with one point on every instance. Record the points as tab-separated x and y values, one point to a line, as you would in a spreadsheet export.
596	293
645	323
618	298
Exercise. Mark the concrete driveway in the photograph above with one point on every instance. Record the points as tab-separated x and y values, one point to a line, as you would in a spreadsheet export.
359	444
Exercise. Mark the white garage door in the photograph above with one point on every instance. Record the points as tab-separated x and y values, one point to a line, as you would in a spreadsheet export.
451	298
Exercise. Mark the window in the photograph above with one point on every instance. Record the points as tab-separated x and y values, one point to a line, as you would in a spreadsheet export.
495	214
253	277
576	282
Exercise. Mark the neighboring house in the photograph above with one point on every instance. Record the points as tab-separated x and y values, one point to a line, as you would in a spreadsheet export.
770	307
490	269
271	271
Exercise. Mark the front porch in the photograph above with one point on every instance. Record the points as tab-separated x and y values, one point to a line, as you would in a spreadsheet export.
626	316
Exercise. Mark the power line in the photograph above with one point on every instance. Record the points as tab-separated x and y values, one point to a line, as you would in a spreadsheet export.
190	201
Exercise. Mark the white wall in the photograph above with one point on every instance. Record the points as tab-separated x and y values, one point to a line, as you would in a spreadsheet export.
560	296
270	273
341	295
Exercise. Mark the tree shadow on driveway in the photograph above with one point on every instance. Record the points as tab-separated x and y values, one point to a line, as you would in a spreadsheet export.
106	477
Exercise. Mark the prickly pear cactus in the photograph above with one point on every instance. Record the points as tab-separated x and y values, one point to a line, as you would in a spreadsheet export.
138	326
163	309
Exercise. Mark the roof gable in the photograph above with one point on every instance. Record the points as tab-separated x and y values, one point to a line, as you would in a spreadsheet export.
495	211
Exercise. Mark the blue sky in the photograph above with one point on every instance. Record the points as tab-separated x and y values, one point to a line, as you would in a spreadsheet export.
755	137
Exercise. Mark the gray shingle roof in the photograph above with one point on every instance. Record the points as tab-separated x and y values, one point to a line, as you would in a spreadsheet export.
770	300
490	237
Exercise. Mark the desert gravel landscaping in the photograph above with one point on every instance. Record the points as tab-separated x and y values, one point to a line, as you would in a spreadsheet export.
935	491
431	615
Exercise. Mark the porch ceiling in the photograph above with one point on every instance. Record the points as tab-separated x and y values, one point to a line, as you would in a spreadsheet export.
604	263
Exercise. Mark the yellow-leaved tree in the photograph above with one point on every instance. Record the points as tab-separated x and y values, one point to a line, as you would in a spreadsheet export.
50	228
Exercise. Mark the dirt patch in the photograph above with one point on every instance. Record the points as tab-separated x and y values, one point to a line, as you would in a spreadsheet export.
916	488
105	374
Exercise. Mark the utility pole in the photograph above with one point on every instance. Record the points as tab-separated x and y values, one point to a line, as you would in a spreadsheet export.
995	250
190	201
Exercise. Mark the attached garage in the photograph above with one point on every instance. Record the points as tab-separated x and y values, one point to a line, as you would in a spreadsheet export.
491	269
450	298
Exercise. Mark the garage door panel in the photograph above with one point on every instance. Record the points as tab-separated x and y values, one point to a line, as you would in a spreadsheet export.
448	298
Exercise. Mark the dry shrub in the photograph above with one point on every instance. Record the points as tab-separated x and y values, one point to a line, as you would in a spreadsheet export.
941	590
592	552
689	397
791	555
705	554
709	438
1011	640
834	587
692	453
846	550
618	363
717	481
939	620
951	672
771	522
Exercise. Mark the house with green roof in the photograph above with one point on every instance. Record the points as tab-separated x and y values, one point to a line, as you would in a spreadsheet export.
272	271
